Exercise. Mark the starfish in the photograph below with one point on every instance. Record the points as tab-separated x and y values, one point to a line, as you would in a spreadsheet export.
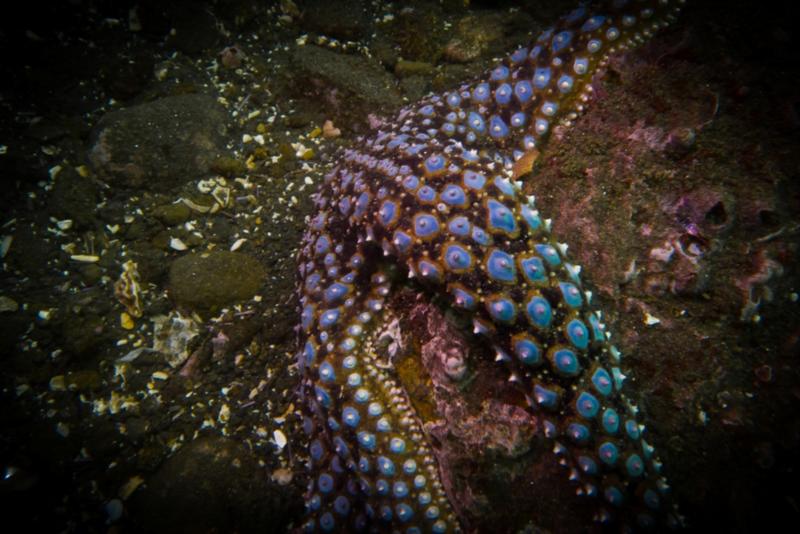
429	213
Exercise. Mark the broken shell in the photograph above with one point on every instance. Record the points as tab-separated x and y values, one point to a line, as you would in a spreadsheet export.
176	244
222	195
237	244
171	336
651	320
5	244
280	439
128	292
224	414
129	487
206	186
85	258
194	206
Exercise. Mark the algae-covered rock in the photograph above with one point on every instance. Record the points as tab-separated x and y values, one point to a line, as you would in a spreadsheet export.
209	280
228	166
161	143
404	69
346	85
209	485
172	214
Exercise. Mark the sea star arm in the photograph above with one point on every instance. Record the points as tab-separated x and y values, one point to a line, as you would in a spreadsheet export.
436	194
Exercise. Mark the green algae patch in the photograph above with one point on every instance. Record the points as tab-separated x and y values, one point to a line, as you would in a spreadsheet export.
208	281
416	381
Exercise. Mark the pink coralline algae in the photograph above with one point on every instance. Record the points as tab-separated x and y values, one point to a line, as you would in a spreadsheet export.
699	223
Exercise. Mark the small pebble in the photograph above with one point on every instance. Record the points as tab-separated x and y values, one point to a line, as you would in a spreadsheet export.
114	510
282	476
764	373
330	131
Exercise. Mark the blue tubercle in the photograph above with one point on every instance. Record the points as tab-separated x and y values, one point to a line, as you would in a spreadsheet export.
426	225
501	218
500	266
539	311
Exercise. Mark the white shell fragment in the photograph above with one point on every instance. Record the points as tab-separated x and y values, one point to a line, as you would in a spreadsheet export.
176	244
651	320
280	439
5	244
85	258
224	414
194	206
221	195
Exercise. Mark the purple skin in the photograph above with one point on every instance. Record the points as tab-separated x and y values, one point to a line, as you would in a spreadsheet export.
433	197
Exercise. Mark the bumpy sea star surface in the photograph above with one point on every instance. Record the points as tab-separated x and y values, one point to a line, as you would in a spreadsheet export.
434	197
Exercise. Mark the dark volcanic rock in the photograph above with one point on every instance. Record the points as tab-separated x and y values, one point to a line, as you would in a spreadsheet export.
212	484
74	197
195	27
161	143
323	17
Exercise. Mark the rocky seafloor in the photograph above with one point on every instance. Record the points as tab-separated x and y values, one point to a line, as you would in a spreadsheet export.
158	161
